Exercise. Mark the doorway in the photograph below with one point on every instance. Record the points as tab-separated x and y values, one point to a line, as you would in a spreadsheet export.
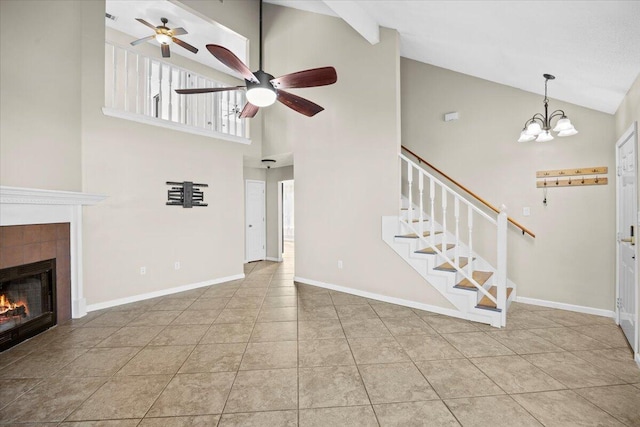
627	224
286	219
255	233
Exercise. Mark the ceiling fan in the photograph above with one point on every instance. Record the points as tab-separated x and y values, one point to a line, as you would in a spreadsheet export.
165	36
263	89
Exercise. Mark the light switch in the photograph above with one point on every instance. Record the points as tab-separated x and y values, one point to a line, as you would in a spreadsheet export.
526	211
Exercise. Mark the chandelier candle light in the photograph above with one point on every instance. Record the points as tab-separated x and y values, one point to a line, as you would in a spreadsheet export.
538	127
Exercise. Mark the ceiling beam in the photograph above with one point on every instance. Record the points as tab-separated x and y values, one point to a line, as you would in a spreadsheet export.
357	17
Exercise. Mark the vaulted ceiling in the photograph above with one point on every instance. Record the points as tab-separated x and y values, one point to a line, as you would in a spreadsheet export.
592	47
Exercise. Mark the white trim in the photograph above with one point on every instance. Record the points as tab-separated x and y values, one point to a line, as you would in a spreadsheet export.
161	293
270	258
384	298
35	196
154	121
637	359
568	307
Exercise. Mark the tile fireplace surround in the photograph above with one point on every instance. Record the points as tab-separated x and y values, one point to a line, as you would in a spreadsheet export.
28	206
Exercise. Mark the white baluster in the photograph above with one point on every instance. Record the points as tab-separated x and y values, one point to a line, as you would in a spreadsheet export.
170	94
456	213
502	264
470	225
160	89
400	181
444	219
114	89
126	80
421	190
148	98
410	181
137	84
432	222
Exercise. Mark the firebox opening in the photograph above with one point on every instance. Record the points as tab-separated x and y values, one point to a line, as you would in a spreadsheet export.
27	301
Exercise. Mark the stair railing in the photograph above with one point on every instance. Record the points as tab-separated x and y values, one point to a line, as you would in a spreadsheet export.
471	193
434	188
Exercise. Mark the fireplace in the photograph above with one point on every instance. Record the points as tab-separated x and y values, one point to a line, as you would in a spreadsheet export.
27	301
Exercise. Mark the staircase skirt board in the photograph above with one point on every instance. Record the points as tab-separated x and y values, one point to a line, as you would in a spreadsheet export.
480	277
487	304
431	251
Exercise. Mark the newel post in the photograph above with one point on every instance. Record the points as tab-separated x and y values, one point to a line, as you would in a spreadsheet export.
502	264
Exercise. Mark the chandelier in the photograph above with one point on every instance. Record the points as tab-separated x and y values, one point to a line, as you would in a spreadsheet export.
538	127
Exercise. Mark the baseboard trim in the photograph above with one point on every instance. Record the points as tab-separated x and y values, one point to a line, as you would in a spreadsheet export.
383	298
569	307
637	358
161	293
274	259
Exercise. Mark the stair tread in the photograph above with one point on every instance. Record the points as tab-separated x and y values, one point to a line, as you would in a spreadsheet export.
415	236
430	251
485	302
479	276
462	262
418	220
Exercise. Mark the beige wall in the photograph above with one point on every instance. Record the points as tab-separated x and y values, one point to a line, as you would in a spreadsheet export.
629	110
572	258
130	162
274	175
346	156
40	94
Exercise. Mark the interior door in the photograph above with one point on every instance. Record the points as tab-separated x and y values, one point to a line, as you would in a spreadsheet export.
627	212
254	221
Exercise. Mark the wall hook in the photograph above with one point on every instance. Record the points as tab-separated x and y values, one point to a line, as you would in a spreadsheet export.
582	182
545	182
596	179
557	182
569	180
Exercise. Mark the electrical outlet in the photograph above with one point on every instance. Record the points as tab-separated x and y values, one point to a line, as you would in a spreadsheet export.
340	264
143	271
176	265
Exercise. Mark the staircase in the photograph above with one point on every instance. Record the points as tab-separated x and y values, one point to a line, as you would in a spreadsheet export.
438	243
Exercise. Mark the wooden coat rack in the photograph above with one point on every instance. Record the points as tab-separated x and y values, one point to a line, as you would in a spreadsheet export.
576	177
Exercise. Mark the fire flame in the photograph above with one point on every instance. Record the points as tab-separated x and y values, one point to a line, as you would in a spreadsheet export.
6	305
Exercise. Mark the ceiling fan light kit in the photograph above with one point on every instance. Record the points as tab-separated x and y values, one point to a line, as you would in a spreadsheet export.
538	127
263	89
261	94
165	36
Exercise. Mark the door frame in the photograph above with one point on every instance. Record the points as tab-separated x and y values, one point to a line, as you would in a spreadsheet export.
631	133
264	213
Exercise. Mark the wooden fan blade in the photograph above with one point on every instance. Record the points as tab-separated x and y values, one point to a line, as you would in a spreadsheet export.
301	105
166	53
307	78
228	58
178	31
142	21
185	45
207	90
144	39
249	111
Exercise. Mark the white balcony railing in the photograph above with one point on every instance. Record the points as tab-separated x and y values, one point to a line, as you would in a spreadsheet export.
142	88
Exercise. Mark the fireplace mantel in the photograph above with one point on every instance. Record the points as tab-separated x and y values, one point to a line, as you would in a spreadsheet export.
23	206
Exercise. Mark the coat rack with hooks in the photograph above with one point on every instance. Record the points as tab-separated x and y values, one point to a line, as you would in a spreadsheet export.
575	177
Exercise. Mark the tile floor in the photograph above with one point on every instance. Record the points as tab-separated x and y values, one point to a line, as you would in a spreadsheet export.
266	352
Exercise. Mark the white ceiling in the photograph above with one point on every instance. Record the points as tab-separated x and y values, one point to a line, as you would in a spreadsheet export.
592	47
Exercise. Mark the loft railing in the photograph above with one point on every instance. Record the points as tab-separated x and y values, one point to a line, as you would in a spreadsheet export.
432	197
471	193
142	88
